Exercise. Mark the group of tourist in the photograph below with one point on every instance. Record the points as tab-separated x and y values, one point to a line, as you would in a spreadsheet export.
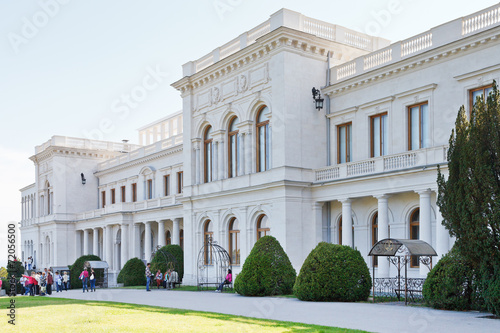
86	278
167	280
42	283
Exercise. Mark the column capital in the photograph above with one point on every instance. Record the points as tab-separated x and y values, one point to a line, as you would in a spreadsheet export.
424	192
381	196
345	200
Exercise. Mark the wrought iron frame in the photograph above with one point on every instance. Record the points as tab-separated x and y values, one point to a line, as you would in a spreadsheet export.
169	258
214	273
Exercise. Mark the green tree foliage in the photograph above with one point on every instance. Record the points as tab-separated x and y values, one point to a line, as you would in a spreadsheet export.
3	272
170	256
452	285
470	199
14	268
267	271
133	273
77	268
333	273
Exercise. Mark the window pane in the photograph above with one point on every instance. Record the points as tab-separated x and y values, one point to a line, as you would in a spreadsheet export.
262	148
233	155
384	136
376	136
268	147
414	128
475	95
349	143
342	144
425	137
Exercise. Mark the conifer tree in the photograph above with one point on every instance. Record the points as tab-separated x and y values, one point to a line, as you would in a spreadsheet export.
469	199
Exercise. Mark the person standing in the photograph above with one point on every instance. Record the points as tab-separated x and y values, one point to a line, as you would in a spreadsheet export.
58	282
65	280
92	280
38	276
84	276
24	282
30	262
148	276
158	278
50	282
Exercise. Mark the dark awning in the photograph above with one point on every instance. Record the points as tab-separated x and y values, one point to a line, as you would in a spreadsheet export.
390	246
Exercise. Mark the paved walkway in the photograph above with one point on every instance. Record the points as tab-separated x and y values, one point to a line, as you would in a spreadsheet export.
364	316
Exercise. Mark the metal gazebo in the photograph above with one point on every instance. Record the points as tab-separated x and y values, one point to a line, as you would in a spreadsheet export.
213	263
399	252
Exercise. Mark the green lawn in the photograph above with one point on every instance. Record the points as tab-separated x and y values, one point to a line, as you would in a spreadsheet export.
39	314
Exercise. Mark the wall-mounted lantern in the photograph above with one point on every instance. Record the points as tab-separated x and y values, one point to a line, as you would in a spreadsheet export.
317	98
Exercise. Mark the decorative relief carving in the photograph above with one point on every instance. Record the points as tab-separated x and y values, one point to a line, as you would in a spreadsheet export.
215	95
242	84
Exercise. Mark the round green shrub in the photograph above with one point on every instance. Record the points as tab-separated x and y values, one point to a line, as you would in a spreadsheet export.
77	268
491	290
162	260
267	271
452	285
333	273
133	273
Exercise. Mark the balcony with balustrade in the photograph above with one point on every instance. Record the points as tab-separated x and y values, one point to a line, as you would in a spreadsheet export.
421	158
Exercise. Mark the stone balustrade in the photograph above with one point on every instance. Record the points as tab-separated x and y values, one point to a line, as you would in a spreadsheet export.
406	160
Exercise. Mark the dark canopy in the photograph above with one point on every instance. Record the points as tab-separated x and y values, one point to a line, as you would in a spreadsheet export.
390	246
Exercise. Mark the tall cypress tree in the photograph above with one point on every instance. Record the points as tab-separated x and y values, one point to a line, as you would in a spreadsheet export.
470	199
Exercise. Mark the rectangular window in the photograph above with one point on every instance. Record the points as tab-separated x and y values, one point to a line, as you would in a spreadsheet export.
103	199
113	197
150	189
379	135
166	185
344	143
479	92
418	126
180	183
123	193
134	192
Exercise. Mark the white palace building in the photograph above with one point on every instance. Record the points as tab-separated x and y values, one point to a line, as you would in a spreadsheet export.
250	155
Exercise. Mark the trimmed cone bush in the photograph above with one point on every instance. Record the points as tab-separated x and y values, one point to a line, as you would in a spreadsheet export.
452	285
133	273
77	268
161	260
333	273
267	271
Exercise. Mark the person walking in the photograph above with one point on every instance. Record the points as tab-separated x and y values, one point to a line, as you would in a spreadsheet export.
84	276
30	283
148	276
227	280
92	280
50	282
65	279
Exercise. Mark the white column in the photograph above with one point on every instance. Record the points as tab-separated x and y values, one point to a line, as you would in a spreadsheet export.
442	236
147	241
198	166
383	232
104	241
137	241
346	222
425	223
109	246
248	153
85	242
161	233
241	157
124	246
220	155
175	231
215	161
95	239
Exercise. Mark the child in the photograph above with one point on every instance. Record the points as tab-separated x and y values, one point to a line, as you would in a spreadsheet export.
159	278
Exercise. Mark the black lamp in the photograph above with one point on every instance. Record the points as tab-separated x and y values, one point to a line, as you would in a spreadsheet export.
317	98
83	178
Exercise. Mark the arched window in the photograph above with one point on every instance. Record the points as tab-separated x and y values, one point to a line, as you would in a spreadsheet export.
169	238
415	234
234	148
234	241
181	238
263	140
340	231
208	233
208	153
375	236
263	228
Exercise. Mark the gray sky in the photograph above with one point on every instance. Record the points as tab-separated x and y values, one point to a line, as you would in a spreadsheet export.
65	66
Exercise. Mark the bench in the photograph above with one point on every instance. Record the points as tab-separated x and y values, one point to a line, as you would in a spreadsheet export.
206	285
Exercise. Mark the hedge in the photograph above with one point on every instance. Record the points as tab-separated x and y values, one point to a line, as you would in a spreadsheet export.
333	273
267	270
133	273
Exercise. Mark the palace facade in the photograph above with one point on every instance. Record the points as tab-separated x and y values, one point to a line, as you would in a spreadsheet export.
250	155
